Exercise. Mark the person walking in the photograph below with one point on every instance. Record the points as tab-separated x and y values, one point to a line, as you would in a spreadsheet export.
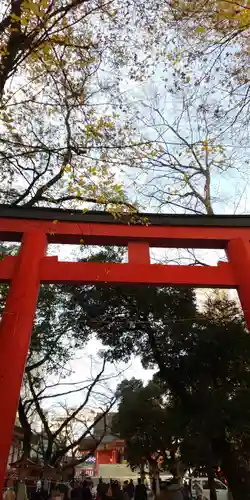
117	492
140	490
131	489
76	493
125	490
100	488
86	493
198	490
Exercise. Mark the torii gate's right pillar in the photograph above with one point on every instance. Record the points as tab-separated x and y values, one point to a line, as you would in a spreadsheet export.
238	253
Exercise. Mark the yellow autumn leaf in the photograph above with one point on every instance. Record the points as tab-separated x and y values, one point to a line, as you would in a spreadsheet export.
200	29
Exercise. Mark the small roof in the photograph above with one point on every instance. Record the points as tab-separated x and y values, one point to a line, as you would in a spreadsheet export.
26	462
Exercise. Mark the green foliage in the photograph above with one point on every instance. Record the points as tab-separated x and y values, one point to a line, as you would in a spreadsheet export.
159	428
146	433
126	319
54	340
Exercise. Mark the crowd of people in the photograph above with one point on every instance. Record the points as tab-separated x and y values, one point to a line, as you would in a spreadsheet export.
112	490
77	490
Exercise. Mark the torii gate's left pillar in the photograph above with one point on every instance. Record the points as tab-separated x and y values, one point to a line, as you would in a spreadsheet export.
15	334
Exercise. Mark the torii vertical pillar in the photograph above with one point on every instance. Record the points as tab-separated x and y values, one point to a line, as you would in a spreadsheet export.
15	334
238	252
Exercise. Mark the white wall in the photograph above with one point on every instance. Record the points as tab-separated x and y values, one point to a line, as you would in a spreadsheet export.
116	471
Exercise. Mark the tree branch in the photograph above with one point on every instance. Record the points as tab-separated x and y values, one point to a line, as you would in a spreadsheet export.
73	415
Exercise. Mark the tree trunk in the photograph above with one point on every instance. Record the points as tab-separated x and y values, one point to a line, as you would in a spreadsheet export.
234	468
26	428
157	484
155	475
142	472
48	453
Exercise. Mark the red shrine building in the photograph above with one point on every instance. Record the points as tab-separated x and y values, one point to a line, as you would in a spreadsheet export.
111	448
109	452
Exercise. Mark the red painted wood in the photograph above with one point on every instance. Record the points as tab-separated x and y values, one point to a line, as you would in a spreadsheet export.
7	266
97	463
15	332
238	252
53	271
104	457
114	457
121	234
138	253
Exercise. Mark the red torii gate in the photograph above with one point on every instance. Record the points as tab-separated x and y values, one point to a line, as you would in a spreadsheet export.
37	227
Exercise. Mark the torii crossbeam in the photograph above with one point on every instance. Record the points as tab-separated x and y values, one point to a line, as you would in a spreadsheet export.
36	227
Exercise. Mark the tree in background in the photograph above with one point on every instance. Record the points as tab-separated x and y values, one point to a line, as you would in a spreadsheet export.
159	436
146	435
124	317
195	109
221	28
186	171
61	433
64	130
